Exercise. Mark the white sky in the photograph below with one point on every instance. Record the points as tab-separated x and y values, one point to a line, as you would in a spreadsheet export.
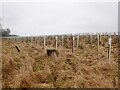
37	18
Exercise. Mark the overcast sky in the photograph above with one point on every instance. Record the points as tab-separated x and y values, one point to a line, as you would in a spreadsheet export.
37	18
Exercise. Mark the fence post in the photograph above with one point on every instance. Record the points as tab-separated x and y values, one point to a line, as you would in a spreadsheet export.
44	41
77	41
56	40
109	49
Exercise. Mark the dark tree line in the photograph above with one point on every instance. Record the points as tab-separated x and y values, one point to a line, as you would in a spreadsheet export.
5	32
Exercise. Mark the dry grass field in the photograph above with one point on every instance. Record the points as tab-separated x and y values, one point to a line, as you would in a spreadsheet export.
33	68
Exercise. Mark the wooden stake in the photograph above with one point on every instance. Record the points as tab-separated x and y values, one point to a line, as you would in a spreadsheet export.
17	49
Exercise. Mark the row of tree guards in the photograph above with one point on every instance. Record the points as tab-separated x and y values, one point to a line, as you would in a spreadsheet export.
59	39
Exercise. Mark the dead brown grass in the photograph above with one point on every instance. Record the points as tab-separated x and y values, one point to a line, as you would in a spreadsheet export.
32	68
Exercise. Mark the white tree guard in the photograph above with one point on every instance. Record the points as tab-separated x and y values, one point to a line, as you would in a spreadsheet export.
73	43
67	38
77	41
38	41
109	51
91	35
62	40
98	42
31	39
44	42
100	37
56	40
